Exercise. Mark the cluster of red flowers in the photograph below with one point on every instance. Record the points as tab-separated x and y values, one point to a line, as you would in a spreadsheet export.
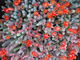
58	10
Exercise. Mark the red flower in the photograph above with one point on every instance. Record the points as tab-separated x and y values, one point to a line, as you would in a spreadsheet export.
6	10
69	29
72	52
28	43
36	44
74	31
16	3
34	54
54	33
78	27
60	36
78	45
36	35
65	23
57	28
63	43
4	58
79	41
45	4
70	56
61	47
45	36
57	5
11	9
53	48
3	53
53	13
65	11
6	17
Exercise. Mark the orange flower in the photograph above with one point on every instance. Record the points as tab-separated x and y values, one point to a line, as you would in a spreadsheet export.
55	8
78	10
67	4
74	57
35	4
48	24
7	37
35	13
19	1
45	58
49	56
22	7
62	7
63	0
44	11
69	29
23	42
59	12
64	57
19	15
52	2
49	15
45	4
18	7
13	27
0	20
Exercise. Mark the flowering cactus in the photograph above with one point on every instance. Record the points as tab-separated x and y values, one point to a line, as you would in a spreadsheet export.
40	30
